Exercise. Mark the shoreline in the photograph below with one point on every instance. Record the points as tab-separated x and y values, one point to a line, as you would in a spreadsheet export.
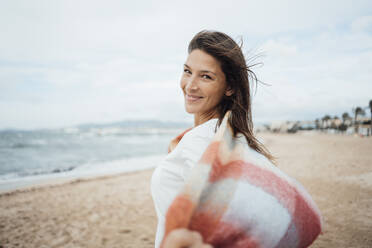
117	210
62	181
108	168
22	183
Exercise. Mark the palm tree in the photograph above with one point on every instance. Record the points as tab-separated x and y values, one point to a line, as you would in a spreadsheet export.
357	111
325	121
317	124
345	117
335	122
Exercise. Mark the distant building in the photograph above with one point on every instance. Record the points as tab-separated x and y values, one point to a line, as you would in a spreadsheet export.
306	125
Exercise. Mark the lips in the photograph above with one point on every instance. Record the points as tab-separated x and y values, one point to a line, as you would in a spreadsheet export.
192	98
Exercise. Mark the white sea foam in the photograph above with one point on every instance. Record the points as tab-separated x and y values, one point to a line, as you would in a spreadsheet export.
87	170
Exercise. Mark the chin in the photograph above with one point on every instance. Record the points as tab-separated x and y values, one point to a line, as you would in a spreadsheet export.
190	110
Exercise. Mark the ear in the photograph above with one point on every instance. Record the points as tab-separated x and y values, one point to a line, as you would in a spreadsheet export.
229	92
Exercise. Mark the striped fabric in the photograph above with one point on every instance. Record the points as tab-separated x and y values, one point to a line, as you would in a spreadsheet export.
235	197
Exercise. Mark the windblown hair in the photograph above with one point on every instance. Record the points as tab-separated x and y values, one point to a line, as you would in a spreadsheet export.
239	76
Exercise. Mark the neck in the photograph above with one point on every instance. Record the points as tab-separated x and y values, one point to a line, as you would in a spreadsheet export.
201	118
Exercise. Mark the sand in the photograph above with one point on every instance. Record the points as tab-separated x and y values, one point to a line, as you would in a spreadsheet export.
117	211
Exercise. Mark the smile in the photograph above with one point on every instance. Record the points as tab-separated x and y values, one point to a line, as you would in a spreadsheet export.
192	98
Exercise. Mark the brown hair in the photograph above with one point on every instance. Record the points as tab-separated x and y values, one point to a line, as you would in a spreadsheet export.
238	76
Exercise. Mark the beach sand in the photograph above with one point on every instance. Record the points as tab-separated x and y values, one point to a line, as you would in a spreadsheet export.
117	211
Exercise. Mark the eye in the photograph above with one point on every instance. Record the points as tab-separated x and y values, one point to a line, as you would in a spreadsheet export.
205	76
186	71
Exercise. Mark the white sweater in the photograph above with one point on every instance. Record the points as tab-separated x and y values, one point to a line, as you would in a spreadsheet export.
169	176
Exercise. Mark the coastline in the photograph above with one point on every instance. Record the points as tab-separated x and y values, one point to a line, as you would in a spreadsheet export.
117	210
110	168
53	182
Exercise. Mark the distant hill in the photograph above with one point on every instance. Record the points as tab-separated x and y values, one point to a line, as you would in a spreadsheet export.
138	124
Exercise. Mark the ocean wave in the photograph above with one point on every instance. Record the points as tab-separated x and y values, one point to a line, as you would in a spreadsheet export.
28	144
15	180
122	131
31	173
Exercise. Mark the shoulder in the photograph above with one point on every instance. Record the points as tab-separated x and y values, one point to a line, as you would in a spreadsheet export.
174	142
205	130
194	136
196	140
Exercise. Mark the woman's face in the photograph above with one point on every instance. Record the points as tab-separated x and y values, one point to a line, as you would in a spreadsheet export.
203	83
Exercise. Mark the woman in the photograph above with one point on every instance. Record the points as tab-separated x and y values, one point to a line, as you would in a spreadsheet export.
216	88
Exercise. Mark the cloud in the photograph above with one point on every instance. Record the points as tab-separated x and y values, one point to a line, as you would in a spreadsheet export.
362	24
326	73
68	62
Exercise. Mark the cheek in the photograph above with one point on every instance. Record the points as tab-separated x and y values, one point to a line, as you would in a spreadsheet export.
182	83
216	94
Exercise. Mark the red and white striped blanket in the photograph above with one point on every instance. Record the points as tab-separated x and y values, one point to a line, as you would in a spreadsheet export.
235	197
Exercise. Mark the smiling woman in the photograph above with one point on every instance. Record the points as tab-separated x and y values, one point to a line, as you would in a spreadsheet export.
215	80
203	84
217	178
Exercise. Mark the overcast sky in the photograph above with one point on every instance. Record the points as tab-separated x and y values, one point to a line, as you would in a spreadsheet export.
64	63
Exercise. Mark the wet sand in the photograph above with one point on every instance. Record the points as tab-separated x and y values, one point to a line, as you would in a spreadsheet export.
117	211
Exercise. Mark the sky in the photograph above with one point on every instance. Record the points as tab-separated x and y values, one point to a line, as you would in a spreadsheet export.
64	63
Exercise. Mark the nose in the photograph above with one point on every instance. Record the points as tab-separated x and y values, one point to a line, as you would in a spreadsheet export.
191	84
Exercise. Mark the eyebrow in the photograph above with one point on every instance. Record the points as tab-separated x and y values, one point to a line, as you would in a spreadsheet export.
204	71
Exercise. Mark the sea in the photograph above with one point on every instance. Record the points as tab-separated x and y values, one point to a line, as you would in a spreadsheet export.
29	158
